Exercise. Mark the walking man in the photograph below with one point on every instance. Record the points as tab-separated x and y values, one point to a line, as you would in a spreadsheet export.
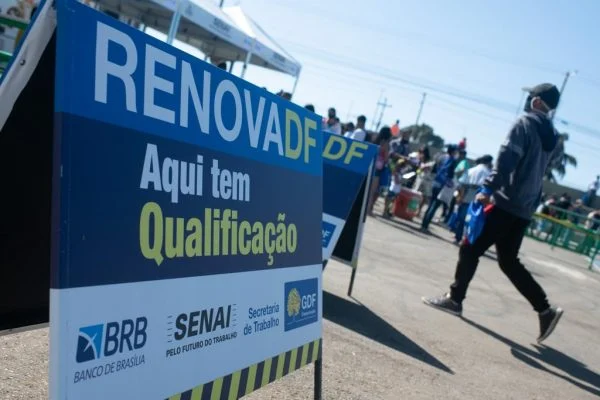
514	187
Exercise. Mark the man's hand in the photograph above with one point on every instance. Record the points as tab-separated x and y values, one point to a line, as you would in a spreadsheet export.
483	198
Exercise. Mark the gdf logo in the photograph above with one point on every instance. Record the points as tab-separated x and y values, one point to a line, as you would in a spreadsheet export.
301	303
105	340
309	301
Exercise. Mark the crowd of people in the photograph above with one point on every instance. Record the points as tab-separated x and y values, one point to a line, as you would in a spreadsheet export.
447	179
564	208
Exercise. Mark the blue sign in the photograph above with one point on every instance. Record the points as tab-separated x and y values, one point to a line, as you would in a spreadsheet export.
329	230
346	165
301	303
168	203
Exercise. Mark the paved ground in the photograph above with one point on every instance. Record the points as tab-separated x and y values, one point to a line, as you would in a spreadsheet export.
384	344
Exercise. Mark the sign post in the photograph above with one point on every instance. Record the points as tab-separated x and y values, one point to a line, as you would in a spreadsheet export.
186	251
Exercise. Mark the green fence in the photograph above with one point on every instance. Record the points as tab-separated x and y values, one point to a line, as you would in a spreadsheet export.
567	234
10	22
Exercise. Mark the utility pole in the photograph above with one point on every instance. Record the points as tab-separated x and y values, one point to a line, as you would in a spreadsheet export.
383	105
421	108
376	110
568	74
349	111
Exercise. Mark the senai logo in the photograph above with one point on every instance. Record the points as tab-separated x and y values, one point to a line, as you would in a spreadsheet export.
301	303
105	340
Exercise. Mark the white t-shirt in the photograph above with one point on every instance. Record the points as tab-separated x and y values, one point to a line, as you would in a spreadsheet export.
395	187
475	175
335	128
357	134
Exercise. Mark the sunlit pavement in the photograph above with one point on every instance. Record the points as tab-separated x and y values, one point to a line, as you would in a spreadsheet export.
383	343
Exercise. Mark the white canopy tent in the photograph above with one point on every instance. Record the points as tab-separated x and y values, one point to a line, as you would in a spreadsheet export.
221	34
266	52
200	23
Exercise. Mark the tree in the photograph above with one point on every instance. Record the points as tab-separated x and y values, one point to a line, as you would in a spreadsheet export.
424	135
558	165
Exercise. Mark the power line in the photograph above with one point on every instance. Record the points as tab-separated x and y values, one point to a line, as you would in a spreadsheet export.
320	58
456	105
419	37
358	65
469	97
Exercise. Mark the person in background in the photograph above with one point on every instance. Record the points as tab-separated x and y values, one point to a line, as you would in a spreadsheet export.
439	159
516	185
461	168
564	203
578	210
394	189
593	220
462	165
590	194
424	177
462	145
331	123
348	128
399	147
396	128
544	209
443	177
383	141
359	133
310	107
469	183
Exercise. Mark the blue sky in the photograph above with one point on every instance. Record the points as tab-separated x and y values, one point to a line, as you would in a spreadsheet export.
454	50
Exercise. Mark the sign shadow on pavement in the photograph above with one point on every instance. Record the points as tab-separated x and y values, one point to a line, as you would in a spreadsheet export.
362	320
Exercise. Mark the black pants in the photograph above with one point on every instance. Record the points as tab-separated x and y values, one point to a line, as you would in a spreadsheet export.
506	231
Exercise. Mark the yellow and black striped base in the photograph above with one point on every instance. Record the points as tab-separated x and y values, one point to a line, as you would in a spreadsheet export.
249	379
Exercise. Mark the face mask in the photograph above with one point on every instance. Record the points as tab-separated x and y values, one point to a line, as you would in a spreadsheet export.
527	106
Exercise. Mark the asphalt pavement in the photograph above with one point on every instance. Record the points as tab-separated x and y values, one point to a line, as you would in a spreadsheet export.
383	343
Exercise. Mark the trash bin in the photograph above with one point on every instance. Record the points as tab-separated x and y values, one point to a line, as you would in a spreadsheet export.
407	203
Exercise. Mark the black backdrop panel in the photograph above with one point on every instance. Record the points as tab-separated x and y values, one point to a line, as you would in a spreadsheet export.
344	249
26	181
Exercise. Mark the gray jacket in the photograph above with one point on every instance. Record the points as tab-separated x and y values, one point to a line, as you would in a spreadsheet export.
516	180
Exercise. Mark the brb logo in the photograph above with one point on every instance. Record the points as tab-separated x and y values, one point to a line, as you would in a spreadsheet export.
301	303
105	340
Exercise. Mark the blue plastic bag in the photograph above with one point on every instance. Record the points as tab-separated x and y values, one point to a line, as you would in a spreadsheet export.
475	220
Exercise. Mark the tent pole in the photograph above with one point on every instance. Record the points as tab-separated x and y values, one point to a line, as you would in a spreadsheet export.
295	83
231	66
246	62
175	22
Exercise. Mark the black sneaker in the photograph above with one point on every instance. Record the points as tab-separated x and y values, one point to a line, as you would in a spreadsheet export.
444	303
548	321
